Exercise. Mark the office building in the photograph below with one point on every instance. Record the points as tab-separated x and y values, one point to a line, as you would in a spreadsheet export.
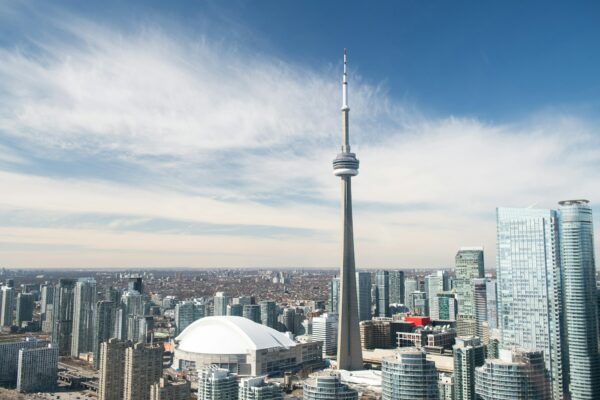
529	286
447	306
8	296
492	304
480	305
345	166
382	279
143	368
397	287
409	375
104	321
333	295
268	313
411	285
327	385
216	384
325	329
517	374
24	310
37	369
135	284
469	353
435	283
257	389
468	266
376	334
62	315
111	385
83	317
363	288
235	310
220	302
186	313
576	237
252	312
9	358
289	320
166	389
418	303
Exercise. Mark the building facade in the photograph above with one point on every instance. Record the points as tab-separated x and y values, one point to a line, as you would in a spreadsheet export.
397	287
382	278
83	316
409	375
37	369
62	315
363	289
327	386
469	353
143	368
216	384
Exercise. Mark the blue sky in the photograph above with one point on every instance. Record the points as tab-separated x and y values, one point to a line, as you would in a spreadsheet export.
201	133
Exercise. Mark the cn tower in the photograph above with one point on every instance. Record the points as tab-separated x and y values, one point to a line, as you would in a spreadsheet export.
345	165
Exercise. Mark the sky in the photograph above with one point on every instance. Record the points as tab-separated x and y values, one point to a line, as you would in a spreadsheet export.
147	134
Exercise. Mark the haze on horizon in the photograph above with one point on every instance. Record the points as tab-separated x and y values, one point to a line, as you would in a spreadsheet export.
199	135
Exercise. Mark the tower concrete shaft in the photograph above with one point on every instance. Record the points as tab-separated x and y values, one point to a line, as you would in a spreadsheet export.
349	352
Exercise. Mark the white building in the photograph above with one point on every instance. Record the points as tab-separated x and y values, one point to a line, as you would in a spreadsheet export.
257	389
325	329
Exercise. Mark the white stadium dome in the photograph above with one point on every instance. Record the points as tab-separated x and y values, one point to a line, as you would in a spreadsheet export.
230	335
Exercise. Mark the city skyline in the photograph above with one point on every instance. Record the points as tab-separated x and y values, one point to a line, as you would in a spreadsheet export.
150	140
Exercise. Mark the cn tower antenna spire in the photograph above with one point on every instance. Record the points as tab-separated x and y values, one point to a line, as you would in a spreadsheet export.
345	84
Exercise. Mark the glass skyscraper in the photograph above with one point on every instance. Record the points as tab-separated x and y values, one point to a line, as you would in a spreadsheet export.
333	295
576	236
529	286
383	293
397	287
363	288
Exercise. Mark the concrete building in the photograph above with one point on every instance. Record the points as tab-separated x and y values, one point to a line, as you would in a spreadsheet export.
409	375
576	237
529	287
7	306
257	389
469	353
325	330
143	368
375	334
104	320
62	315
446	387
216	384
166	389
243	347
252	312
397	287
327	385
333	295
468	266
220	302
83	316
363	294
111	385
9	359
517	374
37	369
24	310
345	166
268	313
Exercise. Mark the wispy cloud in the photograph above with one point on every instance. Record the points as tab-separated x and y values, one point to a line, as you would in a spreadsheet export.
156	147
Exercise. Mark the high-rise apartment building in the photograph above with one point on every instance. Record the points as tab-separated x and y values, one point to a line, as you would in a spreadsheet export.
104	321
143	368
220	302
411	285
517	374
409	375
468	266
481	306
62	315
268	313
235	310
529	286
363	289
257	389
24	310
252	312
382	279
112	369
469	353
435	283
83	317
37	369
397	287
216	384
8	296
492	303
187	312
166	389
325	329
576	237
327	385
333	295
47	298
9	358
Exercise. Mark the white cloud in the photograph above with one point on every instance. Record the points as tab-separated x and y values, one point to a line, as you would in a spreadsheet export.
224	136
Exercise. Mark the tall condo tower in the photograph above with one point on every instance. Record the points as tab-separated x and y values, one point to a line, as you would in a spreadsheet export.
345	165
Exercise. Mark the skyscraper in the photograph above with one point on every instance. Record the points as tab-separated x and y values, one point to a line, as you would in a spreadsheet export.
83	316
62	315
410	285
469	265
325	329
492	303
112	370
409	375
333	295
435	283
446	302
166	389
397	287
469	353
576	236
363	287
529	286
47	296
268	313
104	321
8	296
382	278
187	312
481	305
252	312
37	369
143	368
136	283
24	310
345	166
221	300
